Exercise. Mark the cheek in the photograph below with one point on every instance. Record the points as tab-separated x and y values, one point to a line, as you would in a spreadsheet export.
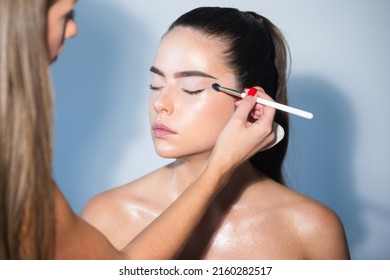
208	116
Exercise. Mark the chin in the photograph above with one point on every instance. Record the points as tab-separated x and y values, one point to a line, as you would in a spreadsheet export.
166	153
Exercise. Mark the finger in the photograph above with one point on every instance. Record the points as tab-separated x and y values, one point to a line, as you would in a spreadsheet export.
267	113
237	102
262	94
246	90
259	108
263	116
246	105
256	114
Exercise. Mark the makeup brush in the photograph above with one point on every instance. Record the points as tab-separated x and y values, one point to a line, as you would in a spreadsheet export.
265	102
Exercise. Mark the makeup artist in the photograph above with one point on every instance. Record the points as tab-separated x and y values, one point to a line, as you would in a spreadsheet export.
36	221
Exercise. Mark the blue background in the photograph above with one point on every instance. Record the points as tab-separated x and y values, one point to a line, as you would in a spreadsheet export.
340	70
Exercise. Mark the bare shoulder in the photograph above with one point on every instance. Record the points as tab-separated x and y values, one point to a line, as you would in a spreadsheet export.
139	190
319	230
126	208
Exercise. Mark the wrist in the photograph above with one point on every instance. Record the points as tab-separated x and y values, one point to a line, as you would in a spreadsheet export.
219	168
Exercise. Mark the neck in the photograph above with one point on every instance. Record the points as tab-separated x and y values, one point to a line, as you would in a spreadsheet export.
184	171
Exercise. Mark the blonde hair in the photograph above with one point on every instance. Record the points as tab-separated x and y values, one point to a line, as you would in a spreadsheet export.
26	188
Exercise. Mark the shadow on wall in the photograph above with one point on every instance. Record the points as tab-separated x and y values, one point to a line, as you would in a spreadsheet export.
320	159
94	109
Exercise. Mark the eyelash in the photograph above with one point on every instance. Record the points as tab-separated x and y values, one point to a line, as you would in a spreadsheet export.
154	88
71	15
193	92
186	91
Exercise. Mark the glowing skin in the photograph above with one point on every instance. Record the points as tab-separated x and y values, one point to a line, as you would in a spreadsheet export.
182	98
253	217
61	26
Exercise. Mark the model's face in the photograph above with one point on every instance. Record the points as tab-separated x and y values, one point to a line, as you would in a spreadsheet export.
61	26
186	114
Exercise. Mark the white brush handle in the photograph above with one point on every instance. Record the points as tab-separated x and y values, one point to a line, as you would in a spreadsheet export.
283	107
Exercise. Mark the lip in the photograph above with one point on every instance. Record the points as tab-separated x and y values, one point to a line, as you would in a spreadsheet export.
54	59
162	130
59	52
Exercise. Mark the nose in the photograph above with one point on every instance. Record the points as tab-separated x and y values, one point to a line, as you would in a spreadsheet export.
71	29
163	101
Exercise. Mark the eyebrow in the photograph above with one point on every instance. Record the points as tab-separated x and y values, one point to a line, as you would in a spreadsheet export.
183	74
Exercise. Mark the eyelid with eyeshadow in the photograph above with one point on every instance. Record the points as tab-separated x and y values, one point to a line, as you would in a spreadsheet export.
193	91
152	87
185	90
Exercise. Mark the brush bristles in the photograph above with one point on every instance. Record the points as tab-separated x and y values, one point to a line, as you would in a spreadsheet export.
215	86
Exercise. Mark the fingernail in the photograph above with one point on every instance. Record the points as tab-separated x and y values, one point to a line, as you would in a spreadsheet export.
252	92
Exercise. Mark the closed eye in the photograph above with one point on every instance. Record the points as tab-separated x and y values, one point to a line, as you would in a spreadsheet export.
154	88
193	91
71	15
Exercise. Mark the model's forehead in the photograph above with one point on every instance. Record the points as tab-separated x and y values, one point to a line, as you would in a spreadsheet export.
190	49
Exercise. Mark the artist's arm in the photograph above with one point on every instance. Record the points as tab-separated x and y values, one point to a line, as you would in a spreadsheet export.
166	236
